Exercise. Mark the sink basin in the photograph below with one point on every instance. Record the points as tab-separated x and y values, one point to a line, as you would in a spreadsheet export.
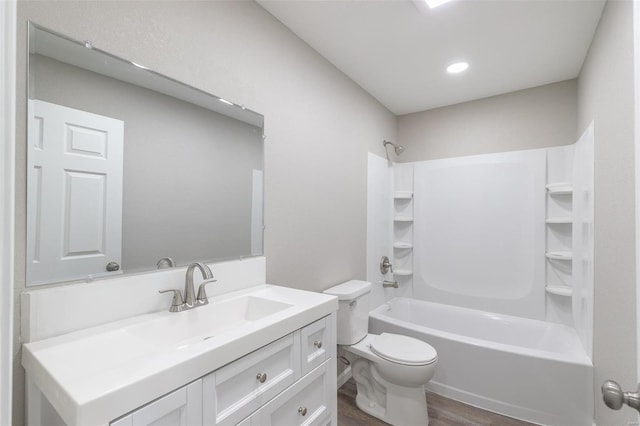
180	328
94	375
118	348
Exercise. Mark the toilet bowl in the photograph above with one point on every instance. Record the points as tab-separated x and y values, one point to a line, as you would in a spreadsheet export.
392	390
399	359
390	370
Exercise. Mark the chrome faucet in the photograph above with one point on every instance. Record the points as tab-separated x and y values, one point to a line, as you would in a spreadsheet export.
190	301
189	290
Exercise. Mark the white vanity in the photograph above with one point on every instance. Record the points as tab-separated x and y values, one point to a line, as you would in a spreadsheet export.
255	355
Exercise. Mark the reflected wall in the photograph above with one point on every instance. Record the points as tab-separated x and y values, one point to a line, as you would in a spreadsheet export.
188	171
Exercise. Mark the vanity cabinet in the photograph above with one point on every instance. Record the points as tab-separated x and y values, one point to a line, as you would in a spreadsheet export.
290	381
182	407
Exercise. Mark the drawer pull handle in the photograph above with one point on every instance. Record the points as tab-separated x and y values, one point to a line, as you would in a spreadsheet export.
317	344
262	377
302	410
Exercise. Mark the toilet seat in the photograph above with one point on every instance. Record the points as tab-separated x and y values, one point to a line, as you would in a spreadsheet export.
403	349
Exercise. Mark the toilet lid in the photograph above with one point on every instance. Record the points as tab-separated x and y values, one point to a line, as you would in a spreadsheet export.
403	349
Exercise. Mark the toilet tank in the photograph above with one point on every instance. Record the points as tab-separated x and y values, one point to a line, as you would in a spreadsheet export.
353	310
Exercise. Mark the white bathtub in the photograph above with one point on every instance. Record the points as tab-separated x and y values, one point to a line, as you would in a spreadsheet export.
527	369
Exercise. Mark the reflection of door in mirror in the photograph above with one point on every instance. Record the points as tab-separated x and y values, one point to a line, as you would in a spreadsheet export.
75	183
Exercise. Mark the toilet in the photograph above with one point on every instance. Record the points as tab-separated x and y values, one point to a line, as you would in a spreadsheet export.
390	370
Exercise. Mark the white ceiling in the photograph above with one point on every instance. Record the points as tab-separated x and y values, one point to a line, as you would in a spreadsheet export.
398	50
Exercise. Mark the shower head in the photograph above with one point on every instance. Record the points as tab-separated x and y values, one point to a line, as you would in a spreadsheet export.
399	149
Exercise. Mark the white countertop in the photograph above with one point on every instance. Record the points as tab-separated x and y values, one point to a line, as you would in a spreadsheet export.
95	375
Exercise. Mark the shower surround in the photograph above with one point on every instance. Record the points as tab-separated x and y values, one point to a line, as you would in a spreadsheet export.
500	234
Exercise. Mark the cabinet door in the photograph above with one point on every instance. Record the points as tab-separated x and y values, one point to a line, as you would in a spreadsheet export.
182	407
308	402
327	422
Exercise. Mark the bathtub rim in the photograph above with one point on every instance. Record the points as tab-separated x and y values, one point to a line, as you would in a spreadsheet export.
580	358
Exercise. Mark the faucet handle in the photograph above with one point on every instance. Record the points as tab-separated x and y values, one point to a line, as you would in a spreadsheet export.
202	295
385	265
177	302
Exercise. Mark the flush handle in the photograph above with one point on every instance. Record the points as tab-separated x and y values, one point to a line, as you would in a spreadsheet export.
615	398
262	377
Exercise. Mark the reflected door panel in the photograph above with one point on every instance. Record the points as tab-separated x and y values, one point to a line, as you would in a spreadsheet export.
75	162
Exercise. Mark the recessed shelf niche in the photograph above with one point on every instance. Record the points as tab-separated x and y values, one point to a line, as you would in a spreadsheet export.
559	255
560	188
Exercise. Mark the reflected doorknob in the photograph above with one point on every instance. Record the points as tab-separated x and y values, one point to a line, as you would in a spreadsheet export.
113	266
614	397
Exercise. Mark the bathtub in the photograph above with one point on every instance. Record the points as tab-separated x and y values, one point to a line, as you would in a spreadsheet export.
527	369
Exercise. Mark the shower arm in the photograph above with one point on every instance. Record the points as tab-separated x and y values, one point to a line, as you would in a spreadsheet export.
398	149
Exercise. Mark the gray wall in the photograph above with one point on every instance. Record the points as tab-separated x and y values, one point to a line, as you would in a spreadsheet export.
319	124
606	95
187	170
533	118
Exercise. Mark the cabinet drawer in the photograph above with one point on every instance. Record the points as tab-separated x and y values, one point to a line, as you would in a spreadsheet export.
305	403
234	391
315	344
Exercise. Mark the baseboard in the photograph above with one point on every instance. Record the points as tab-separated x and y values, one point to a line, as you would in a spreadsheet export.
493	405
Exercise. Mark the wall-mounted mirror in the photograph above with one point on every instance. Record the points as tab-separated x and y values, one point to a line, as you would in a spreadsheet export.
127	167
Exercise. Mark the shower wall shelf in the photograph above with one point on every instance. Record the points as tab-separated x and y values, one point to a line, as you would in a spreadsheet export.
559	255
560	188
560	220
559	250
559	290
403	195
402	219
402	245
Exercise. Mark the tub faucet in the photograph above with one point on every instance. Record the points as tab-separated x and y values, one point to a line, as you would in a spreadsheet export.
189	290
386	284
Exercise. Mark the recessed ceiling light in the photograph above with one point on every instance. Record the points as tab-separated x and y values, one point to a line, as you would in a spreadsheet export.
458	67
436	3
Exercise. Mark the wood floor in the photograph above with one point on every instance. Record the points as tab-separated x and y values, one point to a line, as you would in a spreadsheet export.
442	412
